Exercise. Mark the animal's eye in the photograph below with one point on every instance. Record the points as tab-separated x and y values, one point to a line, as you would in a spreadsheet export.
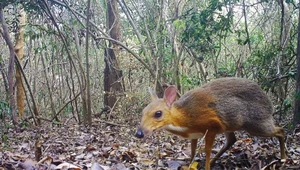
157	114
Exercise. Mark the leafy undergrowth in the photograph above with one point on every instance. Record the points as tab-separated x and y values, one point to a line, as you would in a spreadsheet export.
113	146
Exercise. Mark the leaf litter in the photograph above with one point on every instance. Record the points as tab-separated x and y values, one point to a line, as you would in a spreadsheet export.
112	146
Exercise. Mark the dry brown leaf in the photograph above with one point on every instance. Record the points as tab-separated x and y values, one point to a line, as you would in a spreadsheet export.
90	148
47	160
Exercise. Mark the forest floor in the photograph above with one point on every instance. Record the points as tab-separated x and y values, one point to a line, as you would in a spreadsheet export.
113	146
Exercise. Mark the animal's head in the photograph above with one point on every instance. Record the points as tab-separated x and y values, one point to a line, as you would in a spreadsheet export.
156	114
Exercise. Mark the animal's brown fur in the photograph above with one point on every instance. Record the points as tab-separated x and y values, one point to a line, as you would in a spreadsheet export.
224	105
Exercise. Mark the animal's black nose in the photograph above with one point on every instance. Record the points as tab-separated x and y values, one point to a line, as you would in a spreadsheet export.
139	133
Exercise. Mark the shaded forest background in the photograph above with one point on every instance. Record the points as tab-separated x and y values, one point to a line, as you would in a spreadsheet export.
63	59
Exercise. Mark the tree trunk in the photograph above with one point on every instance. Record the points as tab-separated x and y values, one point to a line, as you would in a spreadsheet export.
285	27
297	98
112	72
246	26
88	116
10	76
81	78
19	49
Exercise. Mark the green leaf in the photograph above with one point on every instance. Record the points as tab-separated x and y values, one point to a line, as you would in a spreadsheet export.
179	24
297	95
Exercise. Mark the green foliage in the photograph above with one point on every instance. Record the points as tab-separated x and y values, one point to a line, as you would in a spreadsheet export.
263	61
68	109
292	74
4	138
4	108
262	56
30	6
203	26
179	24
287	104
226	71
192	81
4	3
103	4
38	31
290	125
24	124
3	132
297	95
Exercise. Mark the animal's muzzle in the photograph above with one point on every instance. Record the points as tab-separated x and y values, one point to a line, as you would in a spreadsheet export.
139	133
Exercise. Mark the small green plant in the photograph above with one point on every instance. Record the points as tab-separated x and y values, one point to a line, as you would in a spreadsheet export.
24	124
4	138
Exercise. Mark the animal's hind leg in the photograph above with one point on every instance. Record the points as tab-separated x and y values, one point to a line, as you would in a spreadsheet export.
278	132
280	136
270	131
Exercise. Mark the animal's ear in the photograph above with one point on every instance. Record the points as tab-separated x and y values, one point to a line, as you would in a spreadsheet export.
153	94
170	95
